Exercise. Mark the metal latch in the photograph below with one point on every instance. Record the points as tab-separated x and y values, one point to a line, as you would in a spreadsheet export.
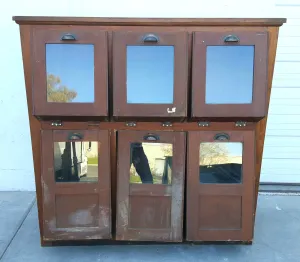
56	123
203	124
130	124
240	123
166	124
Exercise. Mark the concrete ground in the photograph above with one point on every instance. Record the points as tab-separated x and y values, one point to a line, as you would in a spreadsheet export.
277	238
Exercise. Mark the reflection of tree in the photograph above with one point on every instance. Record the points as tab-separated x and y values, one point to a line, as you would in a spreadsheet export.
213	153
56	92
167	149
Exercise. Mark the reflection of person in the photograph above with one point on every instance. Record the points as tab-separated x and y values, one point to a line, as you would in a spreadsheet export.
140	162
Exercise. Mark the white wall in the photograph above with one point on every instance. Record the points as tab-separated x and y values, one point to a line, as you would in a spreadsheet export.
282	146
16	168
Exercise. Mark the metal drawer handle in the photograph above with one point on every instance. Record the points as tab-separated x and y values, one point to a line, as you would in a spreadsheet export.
68	37
75	136
151	137
231	39
150	38
222	137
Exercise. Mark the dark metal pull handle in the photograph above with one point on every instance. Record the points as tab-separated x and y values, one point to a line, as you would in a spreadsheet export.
231	39
150	38
68	37
151	137
75	136
222	137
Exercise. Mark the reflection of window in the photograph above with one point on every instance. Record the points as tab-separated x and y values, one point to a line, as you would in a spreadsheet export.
76	161
151	163
221	162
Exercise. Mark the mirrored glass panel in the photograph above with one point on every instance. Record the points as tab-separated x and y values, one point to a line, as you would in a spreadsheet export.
221	162
229	74
150	74
76	161
151	163
70	73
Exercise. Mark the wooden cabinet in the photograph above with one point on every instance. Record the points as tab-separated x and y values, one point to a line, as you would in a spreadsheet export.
69	72
76	184
111	102
220	185
150	74
150	186
229	76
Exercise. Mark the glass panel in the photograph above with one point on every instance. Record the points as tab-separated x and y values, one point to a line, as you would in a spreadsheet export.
70	73
221	162
229	74
76	161
150	74
151	163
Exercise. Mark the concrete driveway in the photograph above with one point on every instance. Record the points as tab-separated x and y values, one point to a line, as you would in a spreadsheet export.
277	238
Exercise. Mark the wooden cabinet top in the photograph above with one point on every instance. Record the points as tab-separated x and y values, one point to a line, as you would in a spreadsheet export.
52	20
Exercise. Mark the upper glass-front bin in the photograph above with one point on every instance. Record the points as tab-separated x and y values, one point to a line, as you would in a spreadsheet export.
229	74
150	74
70	72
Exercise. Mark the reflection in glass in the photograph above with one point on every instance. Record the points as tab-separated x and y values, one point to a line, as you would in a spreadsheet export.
221	162
229	74
151	163
70	73
150	74
76	161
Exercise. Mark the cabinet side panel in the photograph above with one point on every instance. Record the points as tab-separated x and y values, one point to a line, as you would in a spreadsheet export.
260	131
35	125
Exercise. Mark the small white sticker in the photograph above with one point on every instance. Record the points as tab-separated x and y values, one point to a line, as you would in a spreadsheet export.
173	110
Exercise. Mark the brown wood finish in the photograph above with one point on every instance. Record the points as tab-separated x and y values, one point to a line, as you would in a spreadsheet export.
258	39
111	21
35	125
121	108
43	36
136	202
113	168
260	131
220	212
157	126
76	210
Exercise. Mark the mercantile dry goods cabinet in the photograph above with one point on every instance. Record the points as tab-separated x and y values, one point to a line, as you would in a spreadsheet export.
147	129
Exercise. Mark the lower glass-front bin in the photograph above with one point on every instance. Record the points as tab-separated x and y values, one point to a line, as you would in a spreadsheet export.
76	184
150	189
220	185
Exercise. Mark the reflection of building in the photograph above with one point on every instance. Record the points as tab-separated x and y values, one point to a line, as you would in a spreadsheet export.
84	150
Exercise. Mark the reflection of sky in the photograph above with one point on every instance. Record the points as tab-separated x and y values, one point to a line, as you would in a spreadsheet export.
150	74
74	64
229	74
233	148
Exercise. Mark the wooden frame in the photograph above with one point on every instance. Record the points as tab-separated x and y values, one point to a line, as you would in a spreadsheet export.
229	207
256	109
29	24
90	216
131	197
43	36
123	109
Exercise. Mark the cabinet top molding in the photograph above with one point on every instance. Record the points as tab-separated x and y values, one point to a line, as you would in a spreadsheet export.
116	21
